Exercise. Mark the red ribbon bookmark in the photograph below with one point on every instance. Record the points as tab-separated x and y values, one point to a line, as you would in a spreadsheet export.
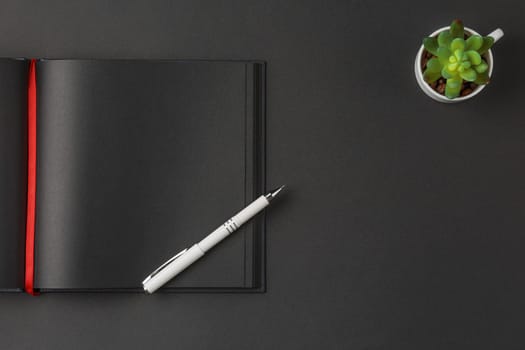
31	180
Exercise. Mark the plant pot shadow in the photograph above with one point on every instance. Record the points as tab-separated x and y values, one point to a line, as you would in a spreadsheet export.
507	76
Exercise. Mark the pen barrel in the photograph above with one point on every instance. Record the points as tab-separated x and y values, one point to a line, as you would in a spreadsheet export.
233	224
180	264
251	210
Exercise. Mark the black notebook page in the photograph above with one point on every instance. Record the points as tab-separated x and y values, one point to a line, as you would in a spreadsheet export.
13	176
138	160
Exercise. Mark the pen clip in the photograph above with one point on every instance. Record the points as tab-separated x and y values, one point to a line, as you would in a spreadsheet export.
161	267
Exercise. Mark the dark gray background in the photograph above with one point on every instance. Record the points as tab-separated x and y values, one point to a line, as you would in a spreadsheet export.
403	227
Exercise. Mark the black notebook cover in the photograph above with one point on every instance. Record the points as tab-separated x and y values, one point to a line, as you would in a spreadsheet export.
13	175
137	160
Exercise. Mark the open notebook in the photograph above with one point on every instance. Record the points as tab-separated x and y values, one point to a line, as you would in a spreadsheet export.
135	160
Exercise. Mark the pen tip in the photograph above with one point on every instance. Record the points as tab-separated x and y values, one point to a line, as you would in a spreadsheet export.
273	193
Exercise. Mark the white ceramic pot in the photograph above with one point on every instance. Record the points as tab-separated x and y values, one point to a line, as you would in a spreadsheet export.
496	35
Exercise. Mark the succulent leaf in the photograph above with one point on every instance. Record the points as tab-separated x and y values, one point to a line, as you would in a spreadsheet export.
431	77
444	38
488	41
474	42
447	73
482	67
457	29
433	65
458	55
431	45
468	74
457	44
474	57
452	67
482	78
453	87
443	54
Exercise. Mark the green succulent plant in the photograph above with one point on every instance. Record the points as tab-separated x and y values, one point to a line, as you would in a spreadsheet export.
457	59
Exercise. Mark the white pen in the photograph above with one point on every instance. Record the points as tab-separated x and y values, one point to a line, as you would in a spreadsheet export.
188	256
